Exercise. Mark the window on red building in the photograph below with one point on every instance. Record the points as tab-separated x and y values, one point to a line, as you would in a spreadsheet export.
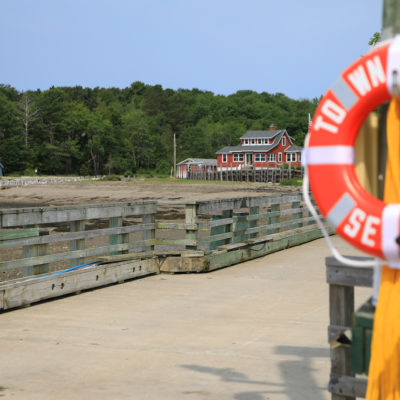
271	157
291	157
237	157
259	157
224	158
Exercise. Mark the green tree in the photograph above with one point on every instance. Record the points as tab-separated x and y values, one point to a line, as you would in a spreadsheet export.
374	39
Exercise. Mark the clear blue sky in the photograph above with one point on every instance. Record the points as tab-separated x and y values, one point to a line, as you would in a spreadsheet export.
290	46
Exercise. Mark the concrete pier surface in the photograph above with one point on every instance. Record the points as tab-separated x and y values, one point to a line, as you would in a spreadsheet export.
253	331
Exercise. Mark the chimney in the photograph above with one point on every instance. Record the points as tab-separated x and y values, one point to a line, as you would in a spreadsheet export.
272	127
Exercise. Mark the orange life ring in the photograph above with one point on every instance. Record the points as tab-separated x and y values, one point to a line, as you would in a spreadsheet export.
363	220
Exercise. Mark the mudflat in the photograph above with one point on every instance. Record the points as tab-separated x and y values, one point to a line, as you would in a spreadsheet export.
134	190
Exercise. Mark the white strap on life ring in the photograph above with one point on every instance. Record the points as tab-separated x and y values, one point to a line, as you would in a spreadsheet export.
323	155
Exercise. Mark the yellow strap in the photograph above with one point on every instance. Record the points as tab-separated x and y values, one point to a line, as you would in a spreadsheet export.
384	369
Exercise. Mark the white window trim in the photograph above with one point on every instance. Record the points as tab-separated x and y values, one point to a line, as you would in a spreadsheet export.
238	157
283	140
224	157
259	157
291	157
246	141
259	141
253	141
280	157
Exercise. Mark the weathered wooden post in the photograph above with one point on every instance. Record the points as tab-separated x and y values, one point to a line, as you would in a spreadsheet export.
341	307
79	244
191	219
229	227
116	222
274	218
35	250
253	223
239	227
298	215
149	234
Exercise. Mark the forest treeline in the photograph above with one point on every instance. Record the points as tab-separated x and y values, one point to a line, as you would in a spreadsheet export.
85	131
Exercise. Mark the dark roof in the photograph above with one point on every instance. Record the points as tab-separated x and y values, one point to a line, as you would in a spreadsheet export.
202	161
293	148
245	149
261	134
277	135
258	148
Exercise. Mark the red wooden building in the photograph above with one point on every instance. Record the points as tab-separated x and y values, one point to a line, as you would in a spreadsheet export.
261	149
195	165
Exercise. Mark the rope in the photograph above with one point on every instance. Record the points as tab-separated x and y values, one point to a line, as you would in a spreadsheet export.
376	263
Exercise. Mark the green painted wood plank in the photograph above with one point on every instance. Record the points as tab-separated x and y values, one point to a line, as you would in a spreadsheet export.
26	262
150	254
255	217
210	206
62	237
47	215
215	238
220	259
176	226
175	242
260	249
368	344
18	234
363	319
357	351
215	223
295	223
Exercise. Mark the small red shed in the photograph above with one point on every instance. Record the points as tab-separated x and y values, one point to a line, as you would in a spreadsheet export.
195	165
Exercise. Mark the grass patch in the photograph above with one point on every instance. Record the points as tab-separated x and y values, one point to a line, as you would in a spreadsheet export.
291	182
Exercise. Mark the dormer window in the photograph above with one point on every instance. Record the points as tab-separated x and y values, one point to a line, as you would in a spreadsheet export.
266	141
253	141
246	141
259	141
284	141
